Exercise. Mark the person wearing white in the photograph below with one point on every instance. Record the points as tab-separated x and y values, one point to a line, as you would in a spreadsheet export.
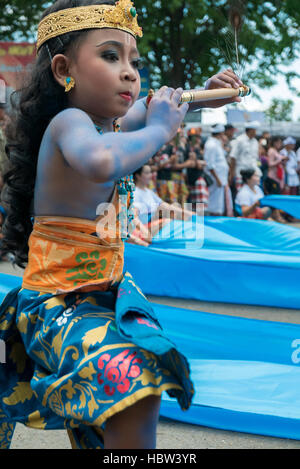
149	208
245	152
247	196
250	194
147	203
292	165
215	157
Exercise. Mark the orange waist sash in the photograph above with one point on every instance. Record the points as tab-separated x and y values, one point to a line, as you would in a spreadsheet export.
66	254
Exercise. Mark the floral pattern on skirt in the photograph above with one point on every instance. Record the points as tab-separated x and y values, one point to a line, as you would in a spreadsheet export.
76	359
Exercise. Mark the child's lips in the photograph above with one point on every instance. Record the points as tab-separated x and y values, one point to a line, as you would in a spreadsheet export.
127	96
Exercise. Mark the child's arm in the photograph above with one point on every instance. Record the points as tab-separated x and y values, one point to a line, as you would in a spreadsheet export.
107	157
135	118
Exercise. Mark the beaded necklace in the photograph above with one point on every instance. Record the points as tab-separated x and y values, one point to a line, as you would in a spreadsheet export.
125	185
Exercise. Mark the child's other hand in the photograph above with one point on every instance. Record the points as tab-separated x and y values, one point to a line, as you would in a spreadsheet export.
226	79
166	111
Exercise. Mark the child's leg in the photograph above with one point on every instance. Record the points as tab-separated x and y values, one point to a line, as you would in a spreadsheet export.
134	427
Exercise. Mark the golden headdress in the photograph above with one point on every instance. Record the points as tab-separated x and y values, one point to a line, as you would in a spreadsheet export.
122	16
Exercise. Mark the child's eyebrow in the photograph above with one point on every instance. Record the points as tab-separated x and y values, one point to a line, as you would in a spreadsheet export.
117	44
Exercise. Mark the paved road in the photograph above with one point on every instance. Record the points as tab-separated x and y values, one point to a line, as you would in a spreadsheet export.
174	435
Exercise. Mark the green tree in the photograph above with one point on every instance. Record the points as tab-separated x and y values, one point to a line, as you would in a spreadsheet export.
187	41
280	110
19	19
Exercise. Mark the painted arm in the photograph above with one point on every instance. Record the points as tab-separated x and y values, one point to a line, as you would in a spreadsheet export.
107	157
135	118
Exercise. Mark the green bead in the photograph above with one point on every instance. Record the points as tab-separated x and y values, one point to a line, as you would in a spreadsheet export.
133	12
122	191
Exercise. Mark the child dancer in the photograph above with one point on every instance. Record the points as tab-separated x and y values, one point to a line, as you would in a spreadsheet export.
84	348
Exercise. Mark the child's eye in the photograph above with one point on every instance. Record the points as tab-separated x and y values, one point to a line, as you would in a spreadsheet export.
110	56
138	64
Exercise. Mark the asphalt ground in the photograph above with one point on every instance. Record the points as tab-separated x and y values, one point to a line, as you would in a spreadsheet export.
172	434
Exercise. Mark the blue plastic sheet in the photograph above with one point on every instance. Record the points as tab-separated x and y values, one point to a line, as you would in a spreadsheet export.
246	372
217	275
196	235
223	232
288	203
265	235
226	260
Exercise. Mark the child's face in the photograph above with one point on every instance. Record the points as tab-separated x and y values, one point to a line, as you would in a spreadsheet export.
105	67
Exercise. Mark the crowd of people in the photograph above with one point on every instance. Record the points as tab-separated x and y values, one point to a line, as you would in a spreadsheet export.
226	174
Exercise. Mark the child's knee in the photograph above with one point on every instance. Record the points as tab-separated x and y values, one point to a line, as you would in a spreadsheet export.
140	416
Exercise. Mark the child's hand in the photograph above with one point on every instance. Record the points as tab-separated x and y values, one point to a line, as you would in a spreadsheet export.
226	79
166	111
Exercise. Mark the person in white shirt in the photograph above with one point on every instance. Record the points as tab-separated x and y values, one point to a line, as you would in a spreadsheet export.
151	212
244	154
248	197
292	165
215	157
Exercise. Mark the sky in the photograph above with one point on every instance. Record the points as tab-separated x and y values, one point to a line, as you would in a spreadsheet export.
280	90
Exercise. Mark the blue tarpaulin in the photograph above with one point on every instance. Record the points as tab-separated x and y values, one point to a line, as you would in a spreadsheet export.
246	372
224	232
288	203
226	276
224	260
256	233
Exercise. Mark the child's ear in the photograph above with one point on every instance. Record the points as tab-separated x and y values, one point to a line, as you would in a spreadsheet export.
60	68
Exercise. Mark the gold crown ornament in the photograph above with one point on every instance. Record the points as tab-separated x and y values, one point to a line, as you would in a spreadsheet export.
122	15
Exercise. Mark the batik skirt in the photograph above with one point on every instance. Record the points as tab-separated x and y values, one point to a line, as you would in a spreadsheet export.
74	360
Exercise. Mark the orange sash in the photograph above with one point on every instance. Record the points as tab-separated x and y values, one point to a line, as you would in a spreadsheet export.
68	254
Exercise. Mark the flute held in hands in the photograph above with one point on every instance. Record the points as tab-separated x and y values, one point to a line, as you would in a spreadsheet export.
209	95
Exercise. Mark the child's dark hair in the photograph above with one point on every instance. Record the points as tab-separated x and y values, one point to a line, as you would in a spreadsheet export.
33	107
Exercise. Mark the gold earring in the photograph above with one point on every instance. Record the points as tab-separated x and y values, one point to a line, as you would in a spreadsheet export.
69	84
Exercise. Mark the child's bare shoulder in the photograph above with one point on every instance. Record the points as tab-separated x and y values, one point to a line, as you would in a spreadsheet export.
69	120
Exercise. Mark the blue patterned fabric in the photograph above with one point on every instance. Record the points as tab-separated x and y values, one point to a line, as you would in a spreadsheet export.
74	360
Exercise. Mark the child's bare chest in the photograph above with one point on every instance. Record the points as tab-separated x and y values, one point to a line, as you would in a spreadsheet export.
62	191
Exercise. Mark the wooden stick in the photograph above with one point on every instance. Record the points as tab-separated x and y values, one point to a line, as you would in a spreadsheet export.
209	95
219	93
